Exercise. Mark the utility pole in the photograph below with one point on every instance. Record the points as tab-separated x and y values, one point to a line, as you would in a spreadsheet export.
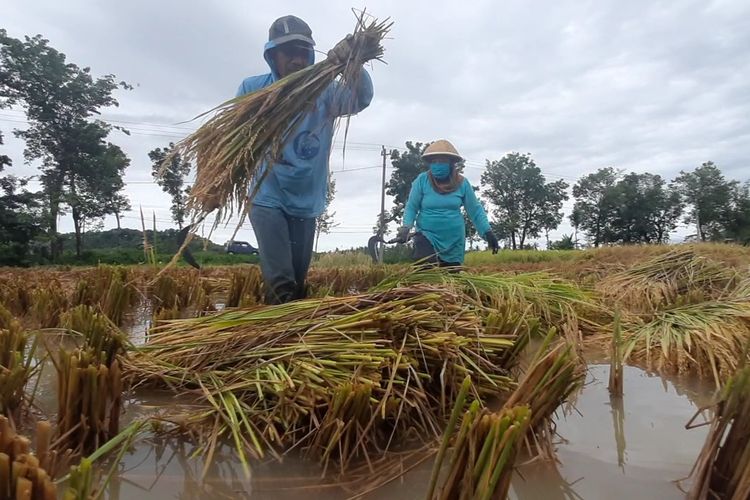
381	229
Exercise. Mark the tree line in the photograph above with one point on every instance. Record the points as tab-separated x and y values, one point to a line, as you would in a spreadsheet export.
82	174
610	206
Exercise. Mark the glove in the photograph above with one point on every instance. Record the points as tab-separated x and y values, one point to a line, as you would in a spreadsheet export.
492	243
342	52
402	236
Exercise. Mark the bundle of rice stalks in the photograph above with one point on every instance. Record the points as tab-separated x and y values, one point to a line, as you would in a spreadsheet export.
180	289
707	338
98	332
245	287
556	302
15	295
552	377
484	453
89	400
661	280
111	289
16	365
339	377
722	469
347	280
21	476
229	149
47	303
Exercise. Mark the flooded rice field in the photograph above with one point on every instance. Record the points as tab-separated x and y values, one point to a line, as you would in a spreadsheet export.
631	447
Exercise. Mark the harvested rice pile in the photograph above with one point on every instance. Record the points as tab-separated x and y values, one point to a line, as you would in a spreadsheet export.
342	378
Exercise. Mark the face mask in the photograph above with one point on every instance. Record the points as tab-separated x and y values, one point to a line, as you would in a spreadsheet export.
440	170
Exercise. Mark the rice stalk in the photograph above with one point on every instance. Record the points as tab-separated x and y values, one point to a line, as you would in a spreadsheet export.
21	475
81	482
98	332
707	338
615	386
658	282
554	301
112	289
341	378
17	365
553	376
722	470
245	287
484	453
47	303
89	399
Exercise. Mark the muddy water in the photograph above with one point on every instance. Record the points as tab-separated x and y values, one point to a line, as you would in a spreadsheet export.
635	447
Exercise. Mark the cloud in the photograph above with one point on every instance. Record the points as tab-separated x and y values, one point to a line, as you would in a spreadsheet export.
641	86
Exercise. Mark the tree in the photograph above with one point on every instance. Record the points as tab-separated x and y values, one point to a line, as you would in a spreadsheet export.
595	205
736	217
20	217
172	179
117	205
523	202
576	218
60	100
551	215
565	243
324	223
407	165
708	194
669	208
646	209
94	182
21	221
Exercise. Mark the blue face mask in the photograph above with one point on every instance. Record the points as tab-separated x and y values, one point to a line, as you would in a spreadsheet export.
440	170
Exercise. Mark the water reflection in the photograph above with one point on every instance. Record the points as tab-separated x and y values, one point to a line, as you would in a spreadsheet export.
609	450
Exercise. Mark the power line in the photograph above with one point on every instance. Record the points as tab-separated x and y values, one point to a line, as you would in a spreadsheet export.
172	132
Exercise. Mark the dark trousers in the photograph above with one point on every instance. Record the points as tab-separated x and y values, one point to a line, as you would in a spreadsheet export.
285	245
425	254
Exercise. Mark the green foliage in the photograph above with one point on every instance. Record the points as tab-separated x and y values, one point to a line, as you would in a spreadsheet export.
709	195
79	169
645	210
736	216
171	179
595	205
565	243
21	221
486	258
524	203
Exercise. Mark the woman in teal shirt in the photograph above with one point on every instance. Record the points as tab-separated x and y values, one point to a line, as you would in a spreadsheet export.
434	205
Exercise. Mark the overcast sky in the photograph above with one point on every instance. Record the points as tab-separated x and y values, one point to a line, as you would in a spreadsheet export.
639	85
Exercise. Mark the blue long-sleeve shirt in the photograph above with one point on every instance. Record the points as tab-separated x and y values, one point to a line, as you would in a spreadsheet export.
298	181
438	216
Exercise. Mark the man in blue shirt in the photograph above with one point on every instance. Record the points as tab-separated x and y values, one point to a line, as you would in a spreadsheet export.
293	194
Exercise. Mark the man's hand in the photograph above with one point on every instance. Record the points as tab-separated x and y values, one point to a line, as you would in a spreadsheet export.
342	52
402	236
492	243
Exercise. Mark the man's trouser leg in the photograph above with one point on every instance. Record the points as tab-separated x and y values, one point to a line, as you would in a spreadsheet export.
302	237
274	245
285	247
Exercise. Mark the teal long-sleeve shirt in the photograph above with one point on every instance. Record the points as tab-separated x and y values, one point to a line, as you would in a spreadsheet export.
438	216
